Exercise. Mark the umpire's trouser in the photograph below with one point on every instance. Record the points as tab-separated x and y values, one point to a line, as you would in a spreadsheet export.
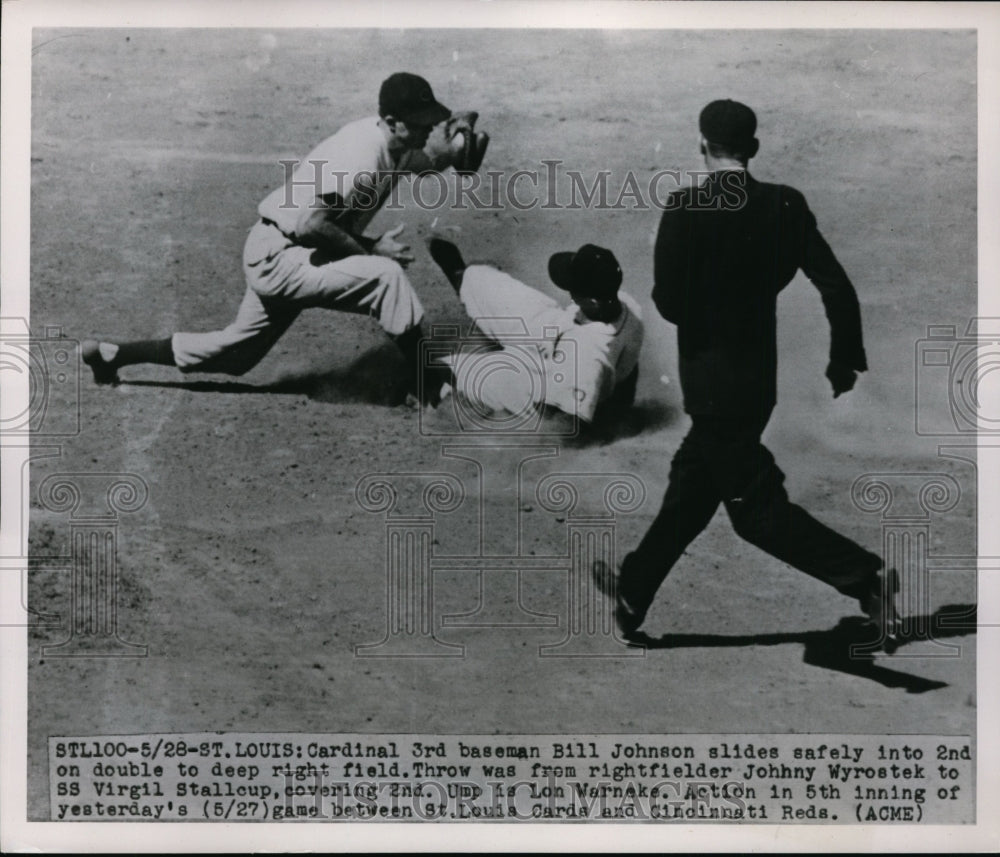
723	461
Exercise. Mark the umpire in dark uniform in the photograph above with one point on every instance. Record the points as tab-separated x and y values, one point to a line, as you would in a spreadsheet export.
724	251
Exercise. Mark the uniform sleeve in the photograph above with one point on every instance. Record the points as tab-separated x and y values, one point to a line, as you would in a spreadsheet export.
594	382
577	378
340	176
417	161
555	318
839	297
437	155
669	259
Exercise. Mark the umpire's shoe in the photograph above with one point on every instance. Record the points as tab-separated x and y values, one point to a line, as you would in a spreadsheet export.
104	371
879	604
607	580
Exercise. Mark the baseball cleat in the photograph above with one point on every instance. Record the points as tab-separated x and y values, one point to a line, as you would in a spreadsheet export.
449	259
606	579
878	603
104	372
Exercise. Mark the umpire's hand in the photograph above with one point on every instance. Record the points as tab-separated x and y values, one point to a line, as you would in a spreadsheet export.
841	378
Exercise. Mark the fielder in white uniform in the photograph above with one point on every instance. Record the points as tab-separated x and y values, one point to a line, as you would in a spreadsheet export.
580	358
308	248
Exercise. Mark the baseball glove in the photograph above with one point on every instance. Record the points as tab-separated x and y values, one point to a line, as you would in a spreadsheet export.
456	143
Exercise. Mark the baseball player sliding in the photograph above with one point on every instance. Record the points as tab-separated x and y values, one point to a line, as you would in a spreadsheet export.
308	249
587	352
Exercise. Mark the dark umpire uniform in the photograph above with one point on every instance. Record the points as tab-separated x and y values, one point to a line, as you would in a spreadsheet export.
724	251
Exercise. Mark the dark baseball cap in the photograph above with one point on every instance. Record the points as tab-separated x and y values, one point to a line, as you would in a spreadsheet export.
591	272
409	97
728	123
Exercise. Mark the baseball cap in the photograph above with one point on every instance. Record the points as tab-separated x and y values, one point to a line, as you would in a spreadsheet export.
591	272
728	123
409	97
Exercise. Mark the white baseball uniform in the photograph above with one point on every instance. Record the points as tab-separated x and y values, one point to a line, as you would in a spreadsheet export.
284	277
548	354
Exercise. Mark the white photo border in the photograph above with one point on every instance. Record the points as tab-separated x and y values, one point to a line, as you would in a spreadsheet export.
20	16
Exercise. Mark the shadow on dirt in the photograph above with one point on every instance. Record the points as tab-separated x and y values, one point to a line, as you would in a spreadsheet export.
646	415
832	649
380	377
377	377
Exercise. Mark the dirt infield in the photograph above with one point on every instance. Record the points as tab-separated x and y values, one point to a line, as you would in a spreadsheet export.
252	572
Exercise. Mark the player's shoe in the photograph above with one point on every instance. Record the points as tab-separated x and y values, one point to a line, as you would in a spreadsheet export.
449	259
607	580
878	603
104	372
434	385
414	403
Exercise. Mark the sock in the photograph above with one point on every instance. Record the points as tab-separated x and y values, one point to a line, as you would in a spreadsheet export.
141	351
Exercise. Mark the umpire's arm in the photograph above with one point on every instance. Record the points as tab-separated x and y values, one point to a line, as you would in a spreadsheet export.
670	259
839	298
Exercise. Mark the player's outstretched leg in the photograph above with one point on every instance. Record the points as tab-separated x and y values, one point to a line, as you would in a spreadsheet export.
449	259
105	358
